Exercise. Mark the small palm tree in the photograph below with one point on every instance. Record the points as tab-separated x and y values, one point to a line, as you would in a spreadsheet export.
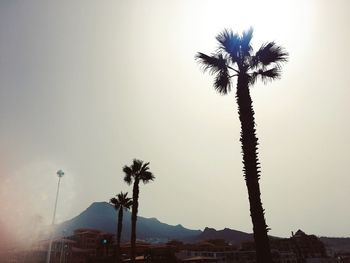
120	202
137	172
235	58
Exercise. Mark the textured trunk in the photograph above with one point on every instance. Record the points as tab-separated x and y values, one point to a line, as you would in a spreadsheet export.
135	205
119	231
251	169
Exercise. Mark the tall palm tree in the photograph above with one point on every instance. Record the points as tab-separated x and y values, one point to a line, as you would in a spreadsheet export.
235	58
120	202
138	171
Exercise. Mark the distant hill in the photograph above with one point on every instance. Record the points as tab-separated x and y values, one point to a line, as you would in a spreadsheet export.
229	235
102	216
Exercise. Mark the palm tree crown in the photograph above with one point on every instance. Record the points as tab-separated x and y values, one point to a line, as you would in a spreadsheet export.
139	171
121	201
235	56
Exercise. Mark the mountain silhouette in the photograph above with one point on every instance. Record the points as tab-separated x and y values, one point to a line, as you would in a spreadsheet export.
102	216
229	235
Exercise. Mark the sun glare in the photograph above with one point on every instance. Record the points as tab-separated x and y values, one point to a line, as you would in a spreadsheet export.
272	20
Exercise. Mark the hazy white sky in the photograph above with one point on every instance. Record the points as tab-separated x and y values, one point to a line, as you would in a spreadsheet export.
86	86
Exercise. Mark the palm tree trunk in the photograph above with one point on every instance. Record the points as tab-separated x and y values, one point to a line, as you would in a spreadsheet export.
251	169
119	231
135	205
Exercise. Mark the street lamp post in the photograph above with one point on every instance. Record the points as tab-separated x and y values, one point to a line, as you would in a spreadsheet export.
60	174
62	245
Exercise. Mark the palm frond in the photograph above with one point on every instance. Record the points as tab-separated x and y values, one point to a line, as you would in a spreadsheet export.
128	204
121	196
127	170
128	178
222	82
245	40
125	201
115	202
144	167
269	53
230	43
146	177
136	165
213	63
266	75
129	174
216	64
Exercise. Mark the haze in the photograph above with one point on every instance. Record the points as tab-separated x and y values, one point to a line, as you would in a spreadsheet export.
86	86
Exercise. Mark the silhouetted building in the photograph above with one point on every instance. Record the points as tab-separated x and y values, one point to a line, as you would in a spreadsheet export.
145	252
200	259
235	256
63	251
93	246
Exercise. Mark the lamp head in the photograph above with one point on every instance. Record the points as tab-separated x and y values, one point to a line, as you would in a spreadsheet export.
60	173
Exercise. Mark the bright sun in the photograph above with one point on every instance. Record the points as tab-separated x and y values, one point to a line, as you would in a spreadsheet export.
272	20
